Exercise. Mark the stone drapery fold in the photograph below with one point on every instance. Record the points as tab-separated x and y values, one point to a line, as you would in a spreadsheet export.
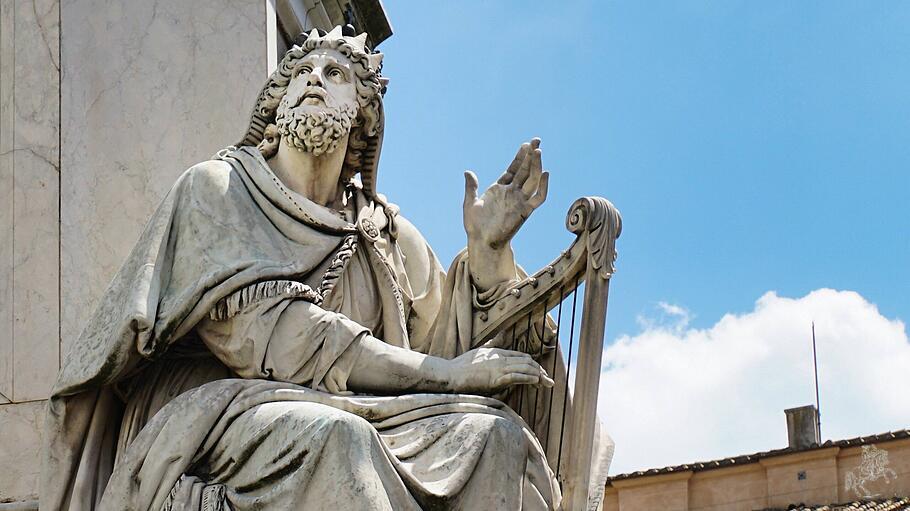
226	227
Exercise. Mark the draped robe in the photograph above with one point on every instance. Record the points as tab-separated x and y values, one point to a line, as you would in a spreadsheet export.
209	375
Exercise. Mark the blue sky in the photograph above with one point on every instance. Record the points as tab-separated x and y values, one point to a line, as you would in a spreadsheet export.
752	147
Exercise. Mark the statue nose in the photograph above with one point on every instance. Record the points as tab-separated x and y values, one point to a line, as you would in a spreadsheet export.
314	80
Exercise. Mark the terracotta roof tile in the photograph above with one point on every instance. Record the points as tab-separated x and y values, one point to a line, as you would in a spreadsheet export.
892	504
752	458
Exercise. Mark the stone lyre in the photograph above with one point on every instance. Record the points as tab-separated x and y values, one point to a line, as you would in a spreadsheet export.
565	422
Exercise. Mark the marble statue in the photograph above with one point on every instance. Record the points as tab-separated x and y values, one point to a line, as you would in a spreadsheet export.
281	337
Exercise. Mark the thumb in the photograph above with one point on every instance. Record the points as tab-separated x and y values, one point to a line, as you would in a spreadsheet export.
470	187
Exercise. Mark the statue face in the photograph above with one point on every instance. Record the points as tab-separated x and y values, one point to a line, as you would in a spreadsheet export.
323	78
320	105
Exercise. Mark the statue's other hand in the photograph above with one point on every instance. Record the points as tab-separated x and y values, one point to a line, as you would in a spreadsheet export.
489	370
493	218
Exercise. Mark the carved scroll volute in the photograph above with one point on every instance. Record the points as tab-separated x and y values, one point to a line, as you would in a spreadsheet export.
603	224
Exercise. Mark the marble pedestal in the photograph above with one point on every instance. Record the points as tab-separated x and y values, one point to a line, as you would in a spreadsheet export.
103	103
100	108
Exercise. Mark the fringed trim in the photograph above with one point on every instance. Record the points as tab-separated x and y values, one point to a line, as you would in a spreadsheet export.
169	501
213	498
236	302
336	268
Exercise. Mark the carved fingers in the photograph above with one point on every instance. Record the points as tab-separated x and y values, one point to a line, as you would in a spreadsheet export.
520	156
534	169
540	194
520	369
470	187
524	170
493	219
487	370
530	176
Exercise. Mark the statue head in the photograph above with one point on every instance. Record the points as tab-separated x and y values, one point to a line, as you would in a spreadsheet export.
326	86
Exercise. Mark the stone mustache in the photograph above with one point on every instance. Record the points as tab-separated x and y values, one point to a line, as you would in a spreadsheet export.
281	337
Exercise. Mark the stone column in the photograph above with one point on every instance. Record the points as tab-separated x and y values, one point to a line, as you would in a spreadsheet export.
29	232
149	89
103	103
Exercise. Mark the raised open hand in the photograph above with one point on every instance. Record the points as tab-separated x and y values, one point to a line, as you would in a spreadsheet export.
493	218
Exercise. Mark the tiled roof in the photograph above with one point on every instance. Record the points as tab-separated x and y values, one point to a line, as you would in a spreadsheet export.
892	504
753	458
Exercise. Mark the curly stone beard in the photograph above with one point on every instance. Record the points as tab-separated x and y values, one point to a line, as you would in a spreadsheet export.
314	131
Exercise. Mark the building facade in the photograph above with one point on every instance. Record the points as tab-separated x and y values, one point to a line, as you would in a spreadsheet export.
870	472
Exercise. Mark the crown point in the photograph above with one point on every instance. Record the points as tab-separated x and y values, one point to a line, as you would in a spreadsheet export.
361	41
335	33
313	34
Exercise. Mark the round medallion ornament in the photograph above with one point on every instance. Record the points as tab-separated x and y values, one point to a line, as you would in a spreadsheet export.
369	229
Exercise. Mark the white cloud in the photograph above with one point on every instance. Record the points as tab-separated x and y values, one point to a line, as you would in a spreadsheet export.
674	310
673	394
670	316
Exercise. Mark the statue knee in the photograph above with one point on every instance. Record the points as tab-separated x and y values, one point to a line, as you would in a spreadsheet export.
505	432
348	425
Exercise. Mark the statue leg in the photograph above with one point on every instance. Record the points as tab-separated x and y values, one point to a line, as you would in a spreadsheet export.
471	461
298	455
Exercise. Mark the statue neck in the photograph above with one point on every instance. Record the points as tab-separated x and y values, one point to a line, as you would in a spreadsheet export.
315	177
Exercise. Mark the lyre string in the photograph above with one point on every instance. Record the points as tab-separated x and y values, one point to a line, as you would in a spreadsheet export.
565	399
525	346
543	319
562	296
513	345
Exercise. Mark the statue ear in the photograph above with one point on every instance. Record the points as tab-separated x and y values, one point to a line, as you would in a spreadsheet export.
270	140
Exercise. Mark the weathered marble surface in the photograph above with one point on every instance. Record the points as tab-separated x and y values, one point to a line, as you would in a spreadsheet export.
29	173
19	476
249	268
136	74
149	88
6	201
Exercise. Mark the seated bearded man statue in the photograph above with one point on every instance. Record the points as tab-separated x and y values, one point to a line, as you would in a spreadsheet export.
280	338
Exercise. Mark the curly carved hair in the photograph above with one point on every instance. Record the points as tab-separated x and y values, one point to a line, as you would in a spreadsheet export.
369	97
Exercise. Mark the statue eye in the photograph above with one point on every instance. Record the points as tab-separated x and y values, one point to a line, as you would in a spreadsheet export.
303	69
336	73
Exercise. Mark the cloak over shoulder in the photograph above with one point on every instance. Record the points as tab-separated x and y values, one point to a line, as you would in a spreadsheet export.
224	225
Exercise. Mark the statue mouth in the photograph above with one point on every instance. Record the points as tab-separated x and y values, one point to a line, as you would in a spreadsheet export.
313	94
312	99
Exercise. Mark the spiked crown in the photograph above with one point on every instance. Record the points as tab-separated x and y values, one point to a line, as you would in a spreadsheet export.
365	141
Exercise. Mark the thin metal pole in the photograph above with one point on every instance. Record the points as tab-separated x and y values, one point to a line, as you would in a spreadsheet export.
818	406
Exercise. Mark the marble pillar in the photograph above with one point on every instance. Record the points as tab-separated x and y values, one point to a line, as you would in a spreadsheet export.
103	103
22	422
150	89
29	233
29	194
